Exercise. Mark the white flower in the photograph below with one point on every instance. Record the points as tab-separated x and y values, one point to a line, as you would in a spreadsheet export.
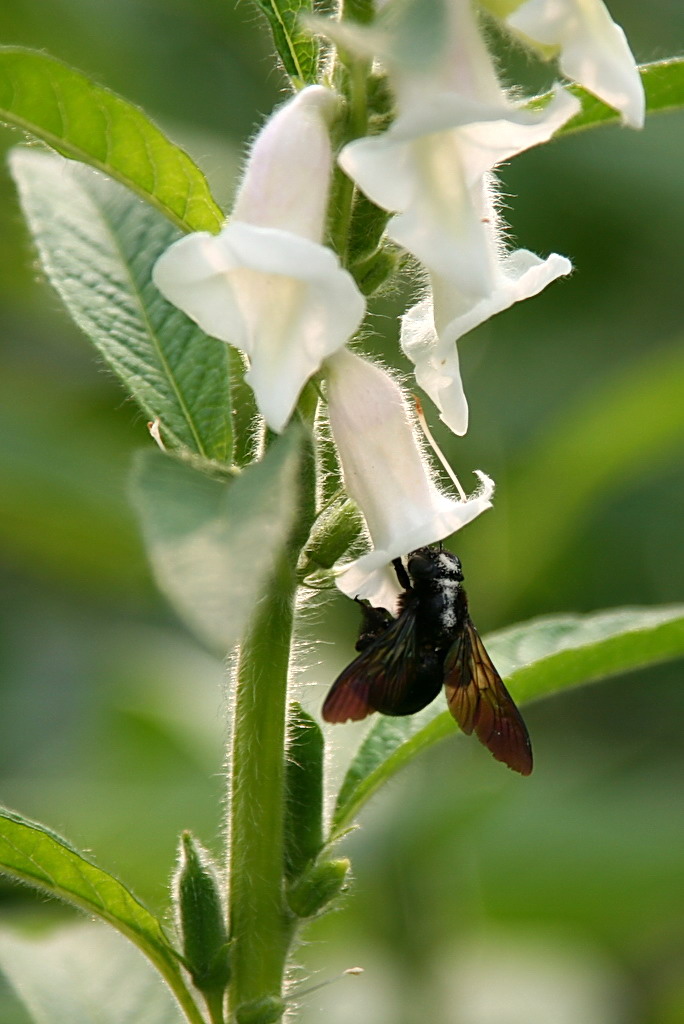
592	49
430	330
432	169
454	124
387	476
265	283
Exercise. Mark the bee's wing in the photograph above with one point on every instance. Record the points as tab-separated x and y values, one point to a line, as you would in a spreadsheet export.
480	702
384	670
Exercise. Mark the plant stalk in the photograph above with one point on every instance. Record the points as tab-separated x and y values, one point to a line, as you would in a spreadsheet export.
261	926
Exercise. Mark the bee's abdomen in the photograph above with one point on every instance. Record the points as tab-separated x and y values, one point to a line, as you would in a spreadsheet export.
425	685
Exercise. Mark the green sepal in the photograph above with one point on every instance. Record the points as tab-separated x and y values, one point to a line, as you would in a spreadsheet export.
303	792
247	424
360	11
261	1011
367	228
380	99
375	272
201	918
317	887
332	535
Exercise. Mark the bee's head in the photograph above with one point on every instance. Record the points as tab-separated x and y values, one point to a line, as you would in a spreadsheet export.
427	564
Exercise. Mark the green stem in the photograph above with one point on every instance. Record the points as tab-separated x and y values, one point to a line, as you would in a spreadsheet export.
261	926
343	187
180	990
215	1007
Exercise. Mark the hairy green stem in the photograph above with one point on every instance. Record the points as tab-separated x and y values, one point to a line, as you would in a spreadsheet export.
259	923
182	994
215	1007
343	187
261	926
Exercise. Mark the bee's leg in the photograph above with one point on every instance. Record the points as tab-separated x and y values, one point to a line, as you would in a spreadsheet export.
402	575
375	622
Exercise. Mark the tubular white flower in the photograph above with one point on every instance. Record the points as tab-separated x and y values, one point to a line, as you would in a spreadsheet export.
265	283
432	168
429	167
430	330
592	49
455	124
287	177
388	477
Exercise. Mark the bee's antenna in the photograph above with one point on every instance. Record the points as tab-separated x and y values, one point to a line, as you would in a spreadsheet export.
436	449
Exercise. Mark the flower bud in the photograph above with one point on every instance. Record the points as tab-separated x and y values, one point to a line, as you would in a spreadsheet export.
333	534
201	918
375	272
303	791
317	887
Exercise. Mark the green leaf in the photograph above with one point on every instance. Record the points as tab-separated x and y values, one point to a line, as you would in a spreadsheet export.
84	973
85	122
664	86
606	438
303	791
536	659
63	509
34	854
98	244
298	50
212	544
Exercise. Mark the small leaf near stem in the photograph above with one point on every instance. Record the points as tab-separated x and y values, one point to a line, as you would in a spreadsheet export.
260	928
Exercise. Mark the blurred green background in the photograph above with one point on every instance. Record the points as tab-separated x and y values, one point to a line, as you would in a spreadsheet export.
479	898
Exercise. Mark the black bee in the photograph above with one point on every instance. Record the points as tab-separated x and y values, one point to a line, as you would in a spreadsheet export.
404	662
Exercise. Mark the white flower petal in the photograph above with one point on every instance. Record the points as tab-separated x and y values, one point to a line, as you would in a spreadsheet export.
436	366
446	224
489	141
371	578
519	275
431	328
287	177
282	299
593	50
478	135
387	476
430	167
